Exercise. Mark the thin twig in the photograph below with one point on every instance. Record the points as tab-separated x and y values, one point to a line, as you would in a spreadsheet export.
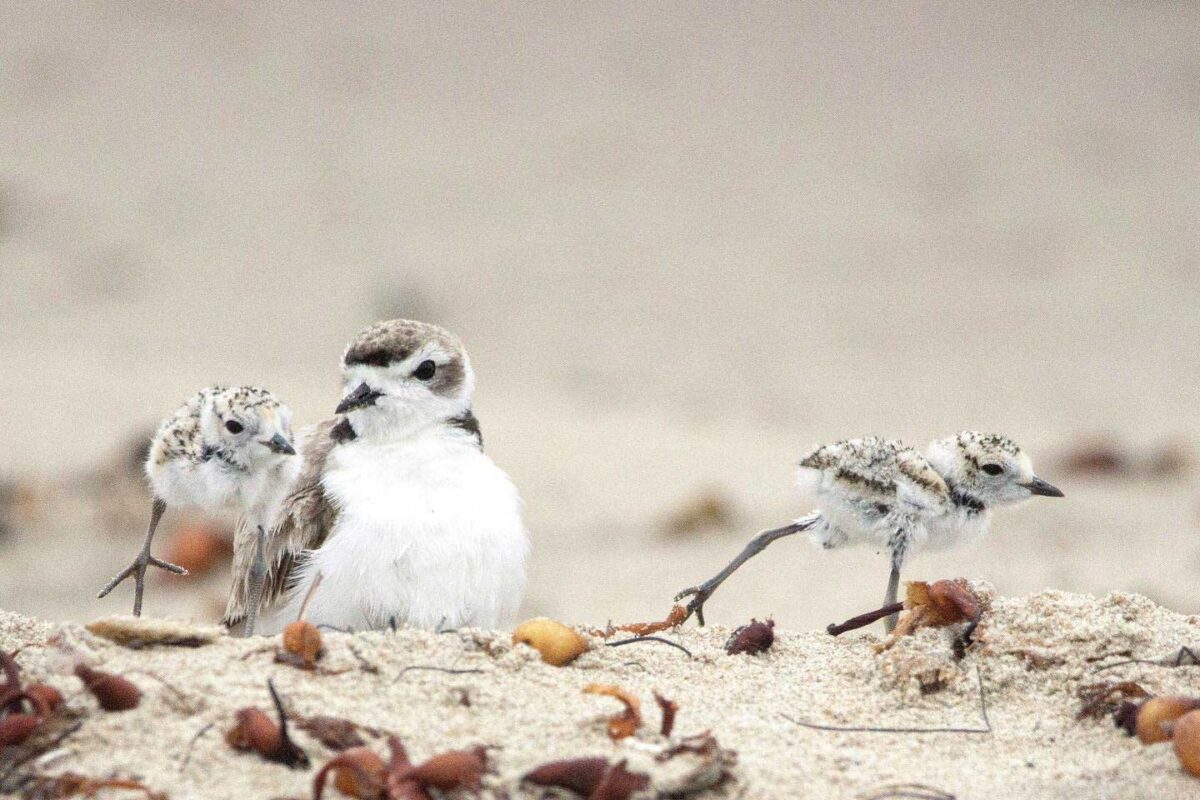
187	756
174	690
431	668
863	620
987	723
637	639
363	663
915	791
1170	662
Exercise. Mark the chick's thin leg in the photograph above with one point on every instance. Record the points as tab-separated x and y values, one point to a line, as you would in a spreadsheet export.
889	599
701	593
144	560
258	576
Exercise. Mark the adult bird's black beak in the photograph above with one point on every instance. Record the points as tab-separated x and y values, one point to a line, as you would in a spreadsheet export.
361	397
278	444
1039	486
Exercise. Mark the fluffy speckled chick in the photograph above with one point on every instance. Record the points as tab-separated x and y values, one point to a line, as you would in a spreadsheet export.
226	448
883	493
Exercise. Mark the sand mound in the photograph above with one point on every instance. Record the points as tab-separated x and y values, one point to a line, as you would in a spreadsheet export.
465	688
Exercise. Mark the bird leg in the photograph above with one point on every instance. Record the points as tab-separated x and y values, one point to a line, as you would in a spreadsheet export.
138	568
701	593
889	599
257	580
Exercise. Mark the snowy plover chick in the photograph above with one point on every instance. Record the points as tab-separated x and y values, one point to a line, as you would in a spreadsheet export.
224	449
397	508
883	493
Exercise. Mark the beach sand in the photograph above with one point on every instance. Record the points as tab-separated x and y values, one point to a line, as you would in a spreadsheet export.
1032	655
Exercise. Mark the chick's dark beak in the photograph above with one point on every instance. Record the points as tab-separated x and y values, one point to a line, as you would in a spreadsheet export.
361	397
1039	486
278	444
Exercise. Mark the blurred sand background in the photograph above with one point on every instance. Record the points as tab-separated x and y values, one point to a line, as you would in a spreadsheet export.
683	244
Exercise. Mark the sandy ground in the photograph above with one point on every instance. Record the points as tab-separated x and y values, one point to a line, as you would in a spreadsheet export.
1032	656
682	248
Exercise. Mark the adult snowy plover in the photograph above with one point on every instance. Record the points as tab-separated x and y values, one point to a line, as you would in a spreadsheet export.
398	509
225	448
881	492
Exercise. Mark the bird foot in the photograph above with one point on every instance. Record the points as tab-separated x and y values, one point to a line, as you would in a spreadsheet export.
138	570
699	595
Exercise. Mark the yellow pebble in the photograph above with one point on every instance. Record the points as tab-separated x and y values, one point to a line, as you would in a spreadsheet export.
557	644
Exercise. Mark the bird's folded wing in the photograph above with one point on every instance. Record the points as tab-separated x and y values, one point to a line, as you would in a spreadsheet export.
873	470
305	520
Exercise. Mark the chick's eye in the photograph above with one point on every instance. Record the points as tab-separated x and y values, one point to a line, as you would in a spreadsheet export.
233	426
993	469
425	370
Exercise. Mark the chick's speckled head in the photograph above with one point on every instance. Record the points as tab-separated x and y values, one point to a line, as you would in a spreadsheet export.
247	422
987	467
403	368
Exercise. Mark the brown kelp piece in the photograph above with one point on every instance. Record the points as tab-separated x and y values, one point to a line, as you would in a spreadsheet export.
255	732
358	772
628	721
580	775
751	639
112	692
1098	699
669	709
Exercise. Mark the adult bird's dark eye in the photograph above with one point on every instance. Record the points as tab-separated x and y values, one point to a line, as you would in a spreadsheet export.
993	469
425	370
233	426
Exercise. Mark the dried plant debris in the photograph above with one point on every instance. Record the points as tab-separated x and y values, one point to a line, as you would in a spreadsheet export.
752	639
25	710
112	692
454	769
1185	734
579	775
357	772
657	639
71	784
710	508
557	644
906	791
677	768
926	605
1184	657
302	642
669	709
302	647
594	778
1101	699
334	732
139	632
1173	718
677	616
936	605
618	783
360	772
683	766
255	732
1148	720
629	720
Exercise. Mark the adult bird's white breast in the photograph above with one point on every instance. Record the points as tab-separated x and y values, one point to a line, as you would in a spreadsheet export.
429	533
